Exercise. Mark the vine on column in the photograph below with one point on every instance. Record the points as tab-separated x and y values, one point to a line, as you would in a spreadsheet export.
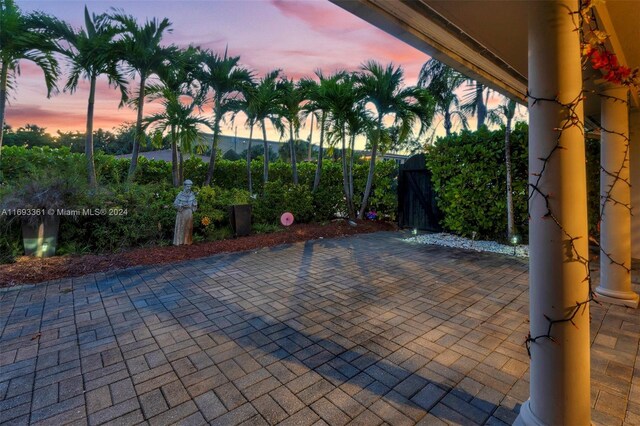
573	120
594	53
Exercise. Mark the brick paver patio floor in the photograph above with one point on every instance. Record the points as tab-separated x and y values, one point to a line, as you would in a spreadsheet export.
363	330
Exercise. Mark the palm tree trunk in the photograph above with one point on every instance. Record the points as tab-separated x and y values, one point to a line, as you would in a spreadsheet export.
316	180
292	149
345	177
88	146
4	72
507	155
180	168
266	154
482	107
212	158
372	168
139	135
447	123
310	139
352	149
174	158
214	144
249	158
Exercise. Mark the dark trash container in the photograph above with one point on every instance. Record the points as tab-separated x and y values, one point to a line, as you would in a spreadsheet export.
240	216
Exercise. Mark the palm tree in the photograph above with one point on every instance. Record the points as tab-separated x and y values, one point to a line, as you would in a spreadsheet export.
92	53
442	81
359	121
247	105
265	107
318	104
258	103
474	101
182	124
177	77
290	102
23	37
225	79
383	88
507	111
140	48
346	114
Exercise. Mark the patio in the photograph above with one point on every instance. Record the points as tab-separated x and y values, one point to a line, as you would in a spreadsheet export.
362	330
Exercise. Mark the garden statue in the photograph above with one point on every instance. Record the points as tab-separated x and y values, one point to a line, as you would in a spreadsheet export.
186	204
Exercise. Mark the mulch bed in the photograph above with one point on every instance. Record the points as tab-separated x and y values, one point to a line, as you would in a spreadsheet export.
34	270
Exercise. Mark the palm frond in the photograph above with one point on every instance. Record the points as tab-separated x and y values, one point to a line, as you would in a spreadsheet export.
26	37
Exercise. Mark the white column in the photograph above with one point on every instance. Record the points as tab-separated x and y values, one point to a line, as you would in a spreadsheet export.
615	199
634	132
560	379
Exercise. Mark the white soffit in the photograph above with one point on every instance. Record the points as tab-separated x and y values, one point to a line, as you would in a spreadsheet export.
487	40
429	27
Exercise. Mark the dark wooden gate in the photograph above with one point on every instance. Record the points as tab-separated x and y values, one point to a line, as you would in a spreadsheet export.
417	206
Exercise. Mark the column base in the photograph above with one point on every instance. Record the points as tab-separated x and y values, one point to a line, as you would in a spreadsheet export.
526	416
624	298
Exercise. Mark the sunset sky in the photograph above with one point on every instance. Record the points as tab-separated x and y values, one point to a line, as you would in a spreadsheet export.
297	36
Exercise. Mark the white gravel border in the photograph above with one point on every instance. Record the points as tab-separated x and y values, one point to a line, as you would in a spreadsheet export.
449	240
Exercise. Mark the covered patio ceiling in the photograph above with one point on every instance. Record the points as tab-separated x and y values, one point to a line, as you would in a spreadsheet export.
487	40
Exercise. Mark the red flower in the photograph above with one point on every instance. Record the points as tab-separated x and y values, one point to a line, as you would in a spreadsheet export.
599	60
624	72
612	77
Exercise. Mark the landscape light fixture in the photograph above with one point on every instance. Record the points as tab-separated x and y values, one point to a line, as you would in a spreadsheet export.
515	239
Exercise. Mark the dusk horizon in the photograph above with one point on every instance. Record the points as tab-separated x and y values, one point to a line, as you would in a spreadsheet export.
294	36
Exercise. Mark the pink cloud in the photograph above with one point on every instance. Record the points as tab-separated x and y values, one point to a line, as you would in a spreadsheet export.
53	120
24	114
321	17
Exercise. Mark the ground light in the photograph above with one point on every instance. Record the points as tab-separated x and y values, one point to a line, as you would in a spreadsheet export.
515	239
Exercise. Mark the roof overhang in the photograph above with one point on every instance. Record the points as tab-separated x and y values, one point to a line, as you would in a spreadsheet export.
487	40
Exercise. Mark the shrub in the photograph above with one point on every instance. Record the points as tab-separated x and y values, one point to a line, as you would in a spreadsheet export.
153	171
384	196
469	176
327	202
19	162
195	169
279	198
110	169
42	193
149	218
211	219
10	235
231	155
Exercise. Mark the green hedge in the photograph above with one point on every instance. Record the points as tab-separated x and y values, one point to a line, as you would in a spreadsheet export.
149	199
469	176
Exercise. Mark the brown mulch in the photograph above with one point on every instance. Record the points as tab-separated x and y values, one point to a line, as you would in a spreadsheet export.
34	270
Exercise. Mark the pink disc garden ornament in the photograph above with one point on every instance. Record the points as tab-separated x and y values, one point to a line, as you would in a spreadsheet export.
286	219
